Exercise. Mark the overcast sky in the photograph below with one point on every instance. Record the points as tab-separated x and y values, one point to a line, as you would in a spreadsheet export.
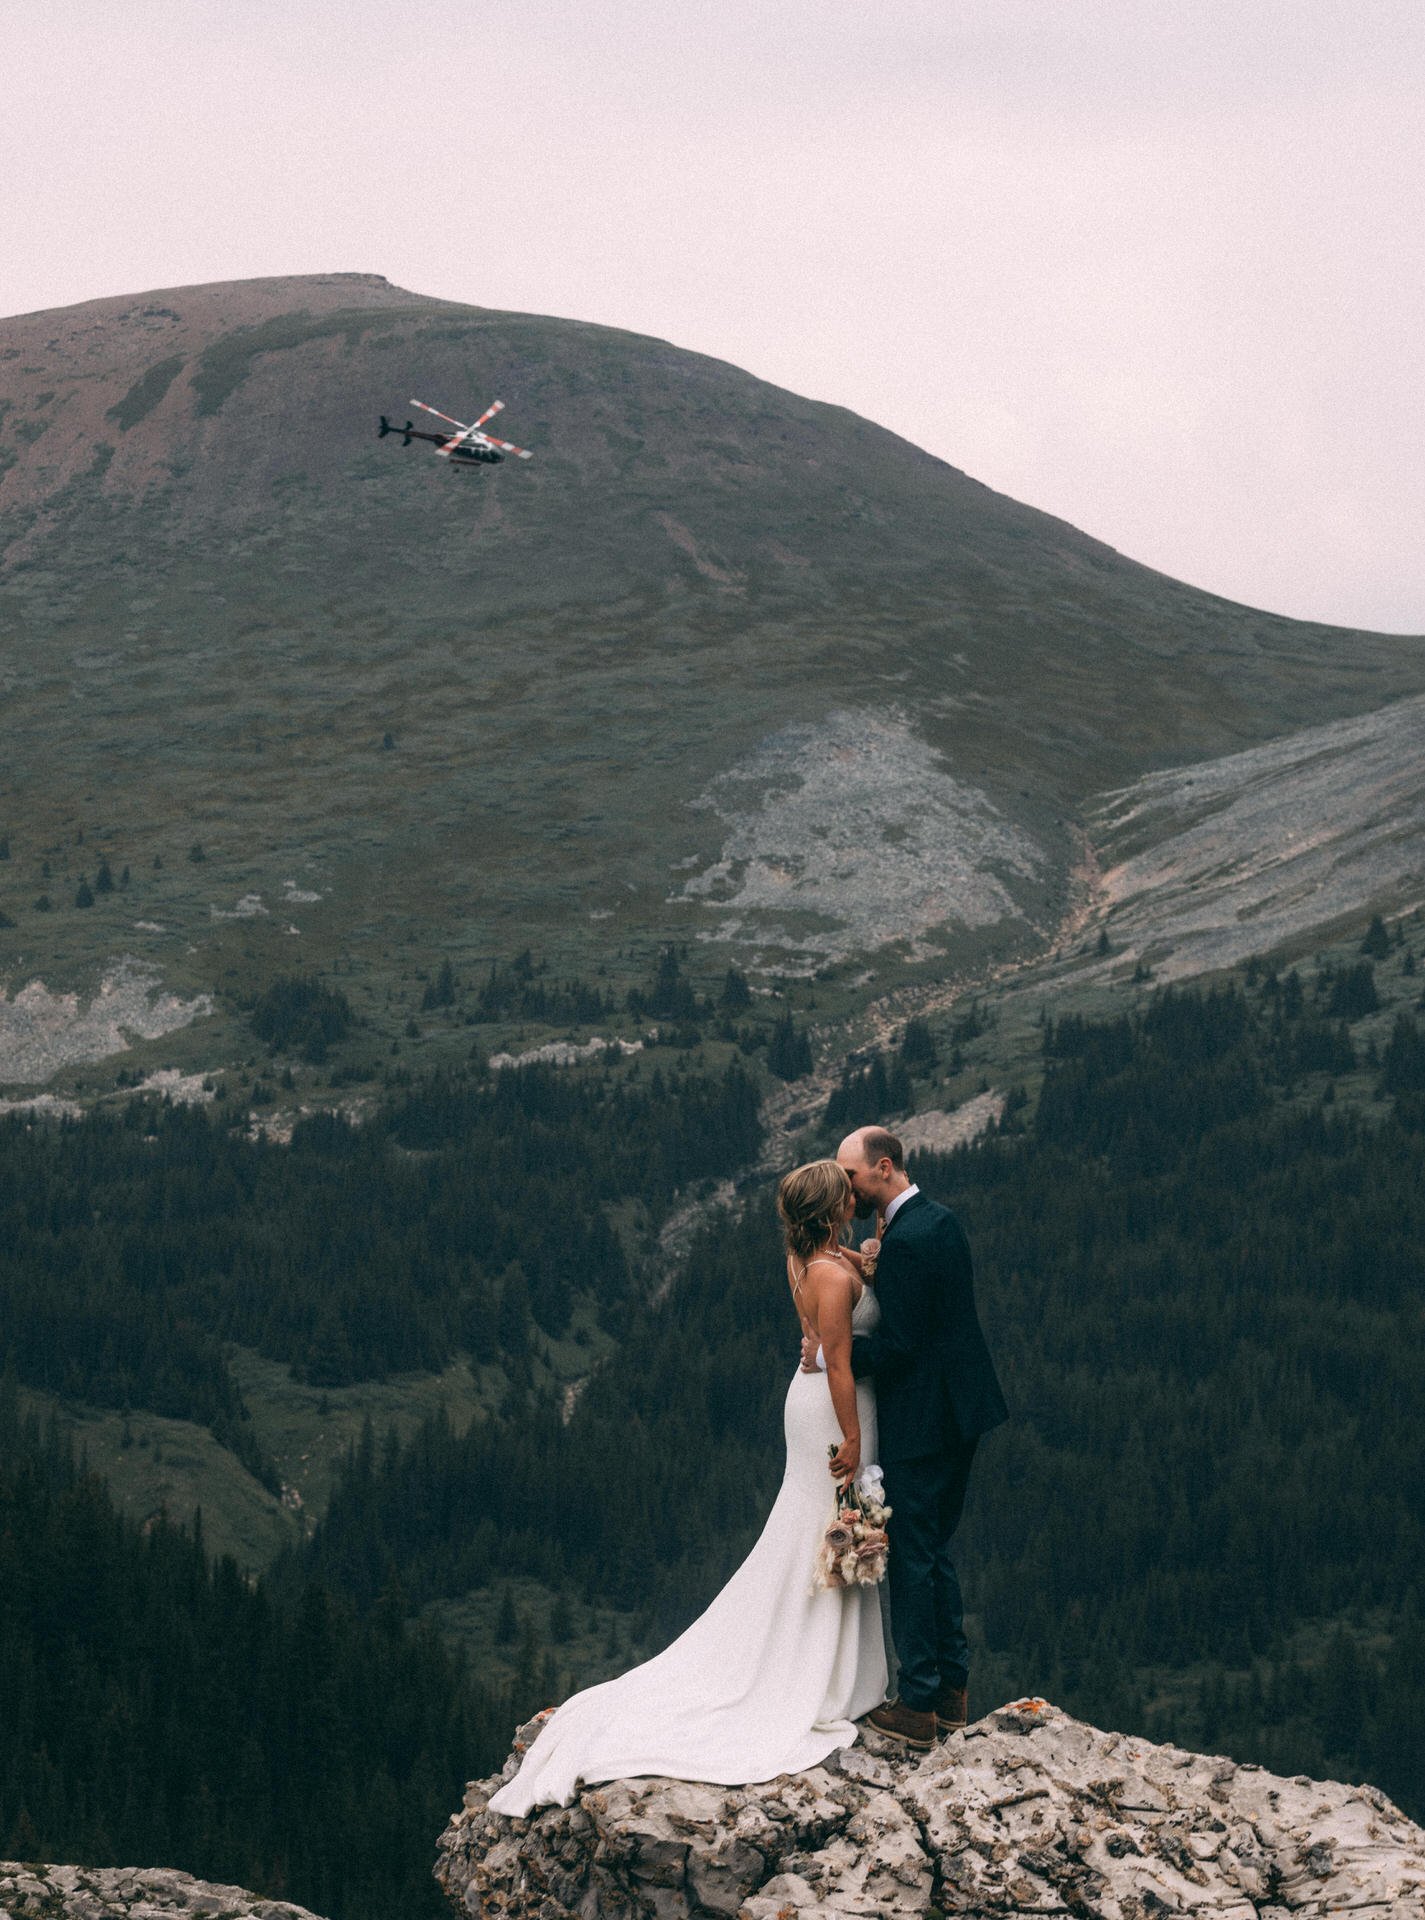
1153	265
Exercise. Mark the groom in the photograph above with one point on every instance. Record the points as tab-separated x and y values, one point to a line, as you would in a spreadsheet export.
936	1393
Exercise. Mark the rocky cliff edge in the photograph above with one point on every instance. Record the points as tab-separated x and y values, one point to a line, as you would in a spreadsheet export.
29	1891
1026	1812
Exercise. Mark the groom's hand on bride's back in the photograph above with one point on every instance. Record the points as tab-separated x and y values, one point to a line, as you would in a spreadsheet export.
810	1350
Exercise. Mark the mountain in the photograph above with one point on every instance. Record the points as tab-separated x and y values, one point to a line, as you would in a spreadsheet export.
1211	863
720	675
720	663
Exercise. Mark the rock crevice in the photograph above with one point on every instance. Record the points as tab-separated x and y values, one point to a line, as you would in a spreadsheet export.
1026	1812
29	1891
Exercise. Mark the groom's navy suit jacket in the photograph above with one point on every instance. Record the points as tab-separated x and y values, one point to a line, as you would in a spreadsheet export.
935	1381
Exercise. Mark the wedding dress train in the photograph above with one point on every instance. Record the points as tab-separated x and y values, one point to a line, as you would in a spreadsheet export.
769	1680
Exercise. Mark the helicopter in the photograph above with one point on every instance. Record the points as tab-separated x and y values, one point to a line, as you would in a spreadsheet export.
467	445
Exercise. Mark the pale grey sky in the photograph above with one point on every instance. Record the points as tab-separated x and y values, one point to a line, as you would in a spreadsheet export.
1153	265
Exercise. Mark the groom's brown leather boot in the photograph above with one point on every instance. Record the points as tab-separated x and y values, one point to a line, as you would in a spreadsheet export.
952	1709
897	1721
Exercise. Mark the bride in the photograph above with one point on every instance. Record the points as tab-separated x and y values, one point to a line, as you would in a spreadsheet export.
772	1677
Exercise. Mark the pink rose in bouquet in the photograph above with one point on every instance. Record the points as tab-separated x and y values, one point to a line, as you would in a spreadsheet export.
854	1547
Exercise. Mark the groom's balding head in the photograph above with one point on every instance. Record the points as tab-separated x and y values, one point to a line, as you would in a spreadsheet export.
873	1160
876	1144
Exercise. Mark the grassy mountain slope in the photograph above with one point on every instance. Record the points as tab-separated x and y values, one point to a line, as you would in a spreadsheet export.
600	673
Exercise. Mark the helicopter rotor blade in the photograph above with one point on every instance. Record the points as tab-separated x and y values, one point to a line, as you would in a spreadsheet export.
460	424
508	446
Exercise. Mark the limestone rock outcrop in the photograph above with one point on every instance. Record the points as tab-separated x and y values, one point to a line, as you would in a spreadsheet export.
32	1892
1026	1812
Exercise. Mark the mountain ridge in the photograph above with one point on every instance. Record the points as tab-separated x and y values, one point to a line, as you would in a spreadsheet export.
493	709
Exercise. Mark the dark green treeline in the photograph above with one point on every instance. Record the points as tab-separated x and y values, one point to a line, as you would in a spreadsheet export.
1206	1520
1201	1275
154	1708
132	1246
160	1710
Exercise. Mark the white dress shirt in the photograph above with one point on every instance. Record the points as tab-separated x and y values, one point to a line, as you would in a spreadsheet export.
893	1207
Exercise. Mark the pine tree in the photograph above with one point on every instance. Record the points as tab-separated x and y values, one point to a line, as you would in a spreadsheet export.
512	1316
918	1054
1352	991
561	1621
788	1050
736	995
506	1619
440	992
1376	945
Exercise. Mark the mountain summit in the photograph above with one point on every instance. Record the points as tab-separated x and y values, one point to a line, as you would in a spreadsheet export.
719	661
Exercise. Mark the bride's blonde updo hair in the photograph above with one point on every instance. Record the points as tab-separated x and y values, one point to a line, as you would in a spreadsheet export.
811	1205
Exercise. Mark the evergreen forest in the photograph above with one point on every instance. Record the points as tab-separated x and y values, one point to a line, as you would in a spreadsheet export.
1200	1271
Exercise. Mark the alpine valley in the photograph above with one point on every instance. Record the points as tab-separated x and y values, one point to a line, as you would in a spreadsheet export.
435	903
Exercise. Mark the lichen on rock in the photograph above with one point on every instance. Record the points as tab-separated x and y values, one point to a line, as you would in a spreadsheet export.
34	1892
1027	1811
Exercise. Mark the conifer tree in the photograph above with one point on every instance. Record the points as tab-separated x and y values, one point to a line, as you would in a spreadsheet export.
506	1619
788	1050
917	1050
512	1318
736	995
1376	945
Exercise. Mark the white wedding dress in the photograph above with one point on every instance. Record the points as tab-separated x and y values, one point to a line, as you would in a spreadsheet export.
769	1680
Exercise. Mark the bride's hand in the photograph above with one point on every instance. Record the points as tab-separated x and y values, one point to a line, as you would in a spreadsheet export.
846	1461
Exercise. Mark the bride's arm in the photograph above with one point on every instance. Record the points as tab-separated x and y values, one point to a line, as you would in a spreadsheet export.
833	1314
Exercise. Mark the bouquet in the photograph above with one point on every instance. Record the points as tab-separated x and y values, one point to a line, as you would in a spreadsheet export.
854	1547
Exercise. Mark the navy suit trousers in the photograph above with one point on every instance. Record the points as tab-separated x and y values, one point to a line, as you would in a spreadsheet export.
927	1497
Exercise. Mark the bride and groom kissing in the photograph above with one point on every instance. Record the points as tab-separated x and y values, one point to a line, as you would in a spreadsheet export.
775	1674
